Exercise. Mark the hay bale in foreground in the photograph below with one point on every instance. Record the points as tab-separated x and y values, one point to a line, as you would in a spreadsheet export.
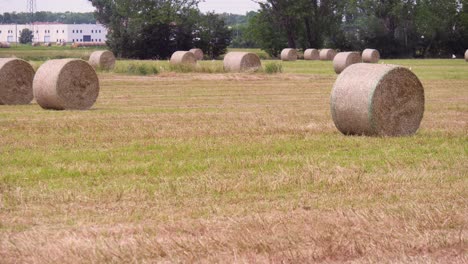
311	54
377	100
327	54
344	59
183	57
241	62
370	56
5	45
68	84
289	55
103	59
16	78
466	55
198	53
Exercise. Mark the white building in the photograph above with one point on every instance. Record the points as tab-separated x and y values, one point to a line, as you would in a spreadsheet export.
55	32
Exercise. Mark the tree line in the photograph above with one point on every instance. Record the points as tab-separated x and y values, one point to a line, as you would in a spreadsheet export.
154	29
66	18
398	28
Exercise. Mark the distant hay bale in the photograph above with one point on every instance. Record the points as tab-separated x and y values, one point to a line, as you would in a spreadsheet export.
327	54
16	78
289	55
67	84
377	100
311	54
198	53
241	62
370	56
466	55
5	45
102	59
344	59
183	57
35	44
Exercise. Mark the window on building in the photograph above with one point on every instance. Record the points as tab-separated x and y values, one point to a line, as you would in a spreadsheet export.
81	40
99	31
63	31
92	31
81	31
73	31
0	32
37	31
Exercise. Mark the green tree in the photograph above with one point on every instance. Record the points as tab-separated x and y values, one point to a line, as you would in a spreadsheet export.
26	36
212	35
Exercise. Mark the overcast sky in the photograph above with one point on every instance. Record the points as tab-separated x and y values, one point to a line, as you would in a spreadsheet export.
219	6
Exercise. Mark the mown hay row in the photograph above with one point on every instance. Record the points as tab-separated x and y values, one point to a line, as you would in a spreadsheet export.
377	100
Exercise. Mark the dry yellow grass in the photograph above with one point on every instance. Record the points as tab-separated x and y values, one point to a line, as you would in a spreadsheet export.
232	168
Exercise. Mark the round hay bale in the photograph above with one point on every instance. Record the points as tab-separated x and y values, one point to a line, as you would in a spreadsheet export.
344	59
311	54
183	57
35	44
102	59
241	62
5	45
16	79
327	54
466	55
377	100
68	84
370	56
198	53
289	55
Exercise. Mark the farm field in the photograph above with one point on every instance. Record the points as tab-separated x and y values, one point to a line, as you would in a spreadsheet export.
222	167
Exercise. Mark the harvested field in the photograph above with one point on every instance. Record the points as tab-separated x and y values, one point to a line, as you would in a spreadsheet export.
201	167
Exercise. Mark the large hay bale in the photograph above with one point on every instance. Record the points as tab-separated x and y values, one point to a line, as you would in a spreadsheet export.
16	78
102	59
5	45
68	84
289	55
311	54
242	61
377	100
370	56
183	57
327	54
344	59
198	53
466	55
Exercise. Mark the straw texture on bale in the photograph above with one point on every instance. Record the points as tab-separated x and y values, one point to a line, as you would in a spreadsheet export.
377	100
68	84
16	79
198	53
466	55
289	55
183	57
311	54
370	56
103	59
327	54
344	59
241	62
5	45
